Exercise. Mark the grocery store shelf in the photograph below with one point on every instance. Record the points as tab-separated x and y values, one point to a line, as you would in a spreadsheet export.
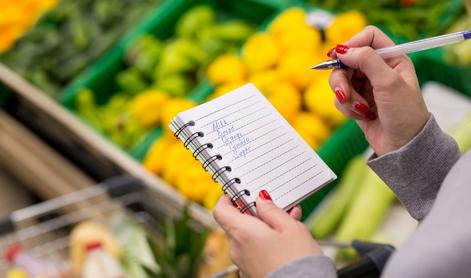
36	164
69	132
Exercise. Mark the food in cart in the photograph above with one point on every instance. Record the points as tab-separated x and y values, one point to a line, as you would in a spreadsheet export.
99	263
32	266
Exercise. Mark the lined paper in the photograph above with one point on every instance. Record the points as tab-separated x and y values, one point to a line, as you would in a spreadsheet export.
260	146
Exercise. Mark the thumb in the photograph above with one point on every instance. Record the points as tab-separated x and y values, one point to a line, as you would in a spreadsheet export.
269	213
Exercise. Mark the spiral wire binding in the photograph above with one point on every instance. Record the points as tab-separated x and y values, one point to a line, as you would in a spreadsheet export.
206	163
191	138
201	148
219	172
180	130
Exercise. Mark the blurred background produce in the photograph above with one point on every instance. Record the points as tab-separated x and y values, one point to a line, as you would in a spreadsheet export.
160	74
408	19
17	17
69	37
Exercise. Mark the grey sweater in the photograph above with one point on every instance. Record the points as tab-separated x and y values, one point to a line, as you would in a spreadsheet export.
434	183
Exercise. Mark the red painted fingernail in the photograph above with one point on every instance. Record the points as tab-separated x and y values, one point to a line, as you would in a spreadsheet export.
370	115
264	195
331	52
342	49
340	95
361	108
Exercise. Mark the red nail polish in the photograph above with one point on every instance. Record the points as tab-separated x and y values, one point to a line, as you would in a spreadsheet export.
264	195
342	49
340	95
370	115
361	108
329	54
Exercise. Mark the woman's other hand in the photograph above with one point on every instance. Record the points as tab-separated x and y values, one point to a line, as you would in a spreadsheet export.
261	245
382	95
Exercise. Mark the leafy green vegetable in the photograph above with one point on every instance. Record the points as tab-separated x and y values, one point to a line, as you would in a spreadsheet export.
339	201
137	256
69	37
180	251
194	20
422	17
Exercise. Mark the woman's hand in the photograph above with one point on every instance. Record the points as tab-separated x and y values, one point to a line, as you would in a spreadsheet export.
260	246
382	95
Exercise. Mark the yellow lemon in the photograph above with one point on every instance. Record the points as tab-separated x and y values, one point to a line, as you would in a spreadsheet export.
295	68
319	99
146	107
260	52
312	126
285	98
173	107
176	161
212	197
227	68
155	158
194	184
287	21
263	79
345	26
300	39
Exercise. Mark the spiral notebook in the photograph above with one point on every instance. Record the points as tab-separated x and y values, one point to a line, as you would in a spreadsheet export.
247	146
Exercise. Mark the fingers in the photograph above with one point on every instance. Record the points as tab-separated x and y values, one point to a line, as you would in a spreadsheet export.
370	36
228	216
348	101
370	63
269	213
295	213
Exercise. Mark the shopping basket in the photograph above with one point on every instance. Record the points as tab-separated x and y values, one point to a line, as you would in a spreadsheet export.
43	229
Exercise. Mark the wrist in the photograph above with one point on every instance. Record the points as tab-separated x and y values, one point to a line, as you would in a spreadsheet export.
404	135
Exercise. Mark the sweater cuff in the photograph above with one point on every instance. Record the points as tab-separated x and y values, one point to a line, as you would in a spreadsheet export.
307	267
416	171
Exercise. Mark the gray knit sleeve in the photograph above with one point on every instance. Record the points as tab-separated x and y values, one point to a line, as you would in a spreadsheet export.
307	267
416	171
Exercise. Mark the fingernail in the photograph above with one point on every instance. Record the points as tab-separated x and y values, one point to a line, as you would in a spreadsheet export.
340	95
361	108
329	54
342	49
370	115
264	195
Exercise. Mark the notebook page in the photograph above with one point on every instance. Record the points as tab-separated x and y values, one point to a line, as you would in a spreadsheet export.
260	146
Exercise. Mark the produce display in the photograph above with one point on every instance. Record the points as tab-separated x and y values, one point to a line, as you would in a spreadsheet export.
160	74
69	37
17	17
120	247
392	14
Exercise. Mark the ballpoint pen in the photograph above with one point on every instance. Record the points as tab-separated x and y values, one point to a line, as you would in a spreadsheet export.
401	49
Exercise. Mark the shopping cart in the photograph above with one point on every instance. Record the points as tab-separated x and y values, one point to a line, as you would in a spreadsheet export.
44	229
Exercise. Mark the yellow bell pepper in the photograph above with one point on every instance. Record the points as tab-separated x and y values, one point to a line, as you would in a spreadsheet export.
227	68
146	107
